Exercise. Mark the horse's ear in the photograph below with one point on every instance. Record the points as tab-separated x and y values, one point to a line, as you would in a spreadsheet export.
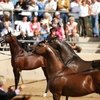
9	32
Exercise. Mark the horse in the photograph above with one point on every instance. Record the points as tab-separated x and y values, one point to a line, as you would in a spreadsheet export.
69	57
62	81
22	60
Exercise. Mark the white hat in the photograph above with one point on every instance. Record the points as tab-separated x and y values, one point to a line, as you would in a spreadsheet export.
2	79
57	13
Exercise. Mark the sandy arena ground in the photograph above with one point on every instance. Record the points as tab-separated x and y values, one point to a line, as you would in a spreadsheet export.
37	88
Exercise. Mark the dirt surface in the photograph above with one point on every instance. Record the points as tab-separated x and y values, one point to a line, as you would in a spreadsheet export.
37	88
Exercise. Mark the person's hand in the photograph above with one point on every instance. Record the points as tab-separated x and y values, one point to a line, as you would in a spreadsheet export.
10	89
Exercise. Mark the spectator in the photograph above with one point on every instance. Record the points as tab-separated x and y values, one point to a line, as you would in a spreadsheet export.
24	28
37	37
7	6
51	5
19	6
7	28
41	5
24	31
52	34
33	7
56	32
74	9
84	12
64	6
44	30
10	93
57	18
71	32
95	7
35	25
46	20
60	32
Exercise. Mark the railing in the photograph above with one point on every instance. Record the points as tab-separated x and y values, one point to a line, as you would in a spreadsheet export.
12	17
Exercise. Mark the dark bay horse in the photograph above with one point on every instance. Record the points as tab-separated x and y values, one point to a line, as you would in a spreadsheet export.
62	81
22	60
70	58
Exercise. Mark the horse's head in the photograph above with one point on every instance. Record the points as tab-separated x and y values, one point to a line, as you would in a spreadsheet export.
41	48
7	38
54	43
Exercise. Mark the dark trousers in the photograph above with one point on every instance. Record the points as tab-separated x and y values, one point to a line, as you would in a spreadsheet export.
83	25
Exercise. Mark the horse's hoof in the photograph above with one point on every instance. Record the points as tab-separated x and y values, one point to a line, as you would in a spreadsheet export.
45	94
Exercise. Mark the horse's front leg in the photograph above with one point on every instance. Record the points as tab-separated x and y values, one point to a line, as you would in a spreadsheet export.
47	87
66	97
16	77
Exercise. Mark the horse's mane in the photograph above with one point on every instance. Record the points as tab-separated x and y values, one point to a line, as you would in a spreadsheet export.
18	42
65	45
55	52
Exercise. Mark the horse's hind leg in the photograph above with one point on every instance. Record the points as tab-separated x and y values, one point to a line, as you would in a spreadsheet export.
16	76
56	97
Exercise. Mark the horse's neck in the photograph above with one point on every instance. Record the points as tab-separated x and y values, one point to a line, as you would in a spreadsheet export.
15	49
66	54
54	65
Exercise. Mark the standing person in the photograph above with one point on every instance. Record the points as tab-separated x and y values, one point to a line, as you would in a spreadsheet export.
10	93
95	7
33	8
19	6
84	11
41	5
7	6
63	6
74	9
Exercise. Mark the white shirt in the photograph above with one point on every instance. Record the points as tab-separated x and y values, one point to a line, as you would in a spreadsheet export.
7	6
74	9
95	8
25	27
83	11
52	5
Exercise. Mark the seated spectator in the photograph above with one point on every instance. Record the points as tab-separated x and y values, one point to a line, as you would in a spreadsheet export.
51	5
52	35
57	18
24	28
71	32
37	37
46	20
56	33
44	30
35	25
10	93
60	31
7	28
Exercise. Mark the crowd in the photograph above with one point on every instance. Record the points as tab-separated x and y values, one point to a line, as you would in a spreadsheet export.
33	19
